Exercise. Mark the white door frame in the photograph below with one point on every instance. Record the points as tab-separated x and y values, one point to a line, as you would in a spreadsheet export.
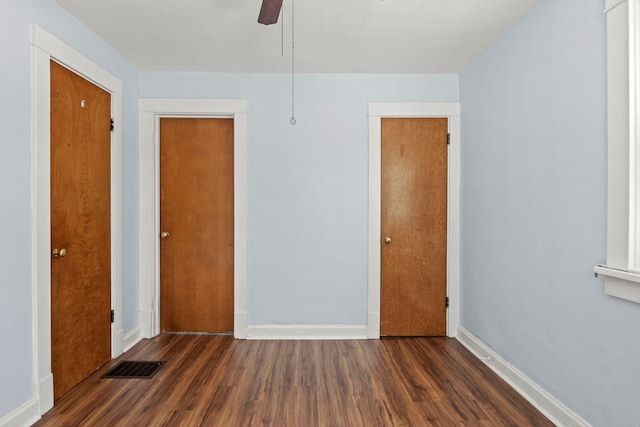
151	110
377	111
45	48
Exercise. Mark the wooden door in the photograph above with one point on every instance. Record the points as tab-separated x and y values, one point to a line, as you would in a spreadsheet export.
80	228
414	227
196	223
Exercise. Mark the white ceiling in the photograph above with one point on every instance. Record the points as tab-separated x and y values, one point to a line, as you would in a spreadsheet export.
331	36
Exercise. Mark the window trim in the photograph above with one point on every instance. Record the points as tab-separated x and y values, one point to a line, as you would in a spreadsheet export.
622	269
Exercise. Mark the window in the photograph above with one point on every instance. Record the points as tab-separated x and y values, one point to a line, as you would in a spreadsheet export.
622	270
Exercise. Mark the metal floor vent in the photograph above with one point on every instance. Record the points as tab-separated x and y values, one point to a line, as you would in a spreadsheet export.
134	369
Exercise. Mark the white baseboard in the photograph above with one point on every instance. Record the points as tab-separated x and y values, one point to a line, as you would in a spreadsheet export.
306	332
23	416
551	407
132	338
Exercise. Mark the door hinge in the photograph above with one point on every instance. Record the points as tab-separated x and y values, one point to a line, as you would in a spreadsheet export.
112	125
447	302
113	316
448	138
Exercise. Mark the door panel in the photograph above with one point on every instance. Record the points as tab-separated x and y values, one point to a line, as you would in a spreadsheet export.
414	227
80	228
196	210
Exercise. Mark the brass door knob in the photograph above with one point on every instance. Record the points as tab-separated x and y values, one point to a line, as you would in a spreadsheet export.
59	253
387	240
164	234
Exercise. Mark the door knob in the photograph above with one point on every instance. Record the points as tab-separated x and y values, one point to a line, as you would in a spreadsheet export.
387	240
59	253
164	234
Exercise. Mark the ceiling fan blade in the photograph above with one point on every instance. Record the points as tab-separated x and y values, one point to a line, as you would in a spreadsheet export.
269	11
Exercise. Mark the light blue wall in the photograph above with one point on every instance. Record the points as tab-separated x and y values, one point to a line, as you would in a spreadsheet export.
16	17
534	211
533	197
15	206
307	247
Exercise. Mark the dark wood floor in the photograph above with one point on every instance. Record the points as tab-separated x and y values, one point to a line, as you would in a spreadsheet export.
213	380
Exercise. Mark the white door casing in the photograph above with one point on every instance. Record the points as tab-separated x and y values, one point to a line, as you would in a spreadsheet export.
151	110
377	111
45	48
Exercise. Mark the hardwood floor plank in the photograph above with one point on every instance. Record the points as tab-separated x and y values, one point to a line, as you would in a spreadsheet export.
213	380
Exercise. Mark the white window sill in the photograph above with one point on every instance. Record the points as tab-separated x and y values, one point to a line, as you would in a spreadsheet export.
620	283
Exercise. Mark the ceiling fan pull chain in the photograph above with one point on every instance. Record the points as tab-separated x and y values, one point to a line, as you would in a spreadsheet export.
293	89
